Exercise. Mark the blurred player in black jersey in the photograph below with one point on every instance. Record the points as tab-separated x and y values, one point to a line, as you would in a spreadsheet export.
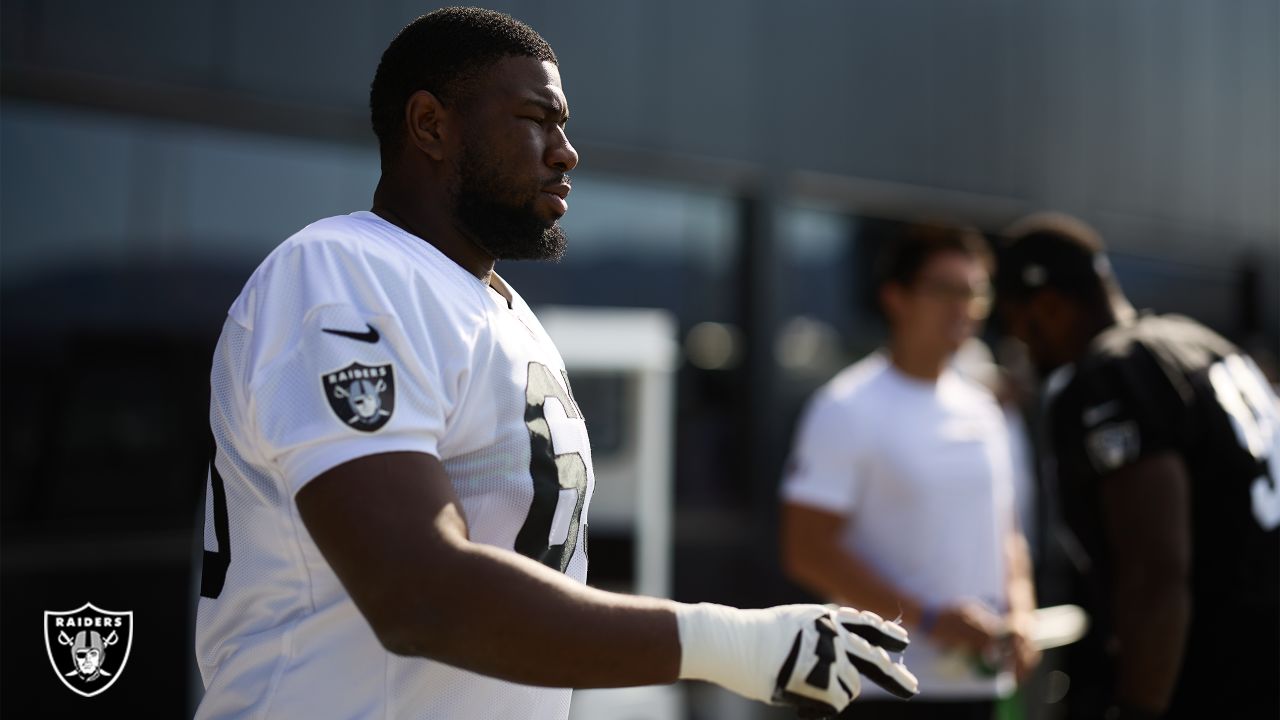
1165	441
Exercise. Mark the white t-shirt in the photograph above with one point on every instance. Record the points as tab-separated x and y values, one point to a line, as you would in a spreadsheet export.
355	338
923	472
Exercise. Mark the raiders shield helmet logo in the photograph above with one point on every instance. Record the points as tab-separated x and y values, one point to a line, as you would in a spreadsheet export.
1113	445
362	396
88	647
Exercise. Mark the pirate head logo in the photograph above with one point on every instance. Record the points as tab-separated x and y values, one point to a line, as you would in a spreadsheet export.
362	396
88	647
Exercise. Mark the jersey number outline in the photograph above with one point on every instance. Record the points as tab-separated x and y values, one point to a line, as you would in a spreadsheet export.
213	572
1241	390
553	474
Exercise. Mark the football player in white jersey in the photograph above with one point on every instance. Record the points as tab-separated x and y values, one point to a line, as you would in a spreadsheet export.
398	500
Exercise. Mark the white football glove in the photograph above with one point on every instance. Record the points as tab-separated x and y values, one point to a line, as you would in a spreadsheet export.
808	656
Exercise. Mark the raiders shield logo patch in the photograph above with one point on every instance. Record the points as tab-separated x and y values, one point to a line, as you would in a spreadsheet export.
1113	445
362	396
88	647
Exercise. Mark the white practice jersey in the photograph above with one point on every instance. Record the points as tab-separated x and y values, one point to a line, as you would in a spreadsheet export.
355	338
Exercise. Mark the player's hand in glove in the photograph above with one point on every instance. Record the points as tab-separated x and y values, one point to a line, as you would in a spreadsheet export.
807	656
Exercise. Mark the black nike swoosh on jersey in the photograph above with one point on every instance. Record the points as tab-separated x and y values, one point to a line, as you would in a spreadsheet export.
369	337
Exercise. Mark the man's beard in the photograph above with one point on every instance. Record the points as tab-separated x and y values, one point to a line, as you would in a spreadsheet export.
506	229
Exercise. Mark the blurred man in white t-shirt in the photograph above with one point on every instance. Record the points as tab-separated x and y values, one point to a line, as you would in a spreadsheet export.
899	492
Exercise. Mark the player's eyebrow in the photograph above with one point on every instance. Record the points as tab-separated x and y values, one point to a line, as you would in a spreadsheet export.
552	106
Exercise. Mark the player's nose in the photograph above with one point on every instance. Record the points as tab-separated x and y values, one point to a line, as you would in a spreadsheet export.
561	155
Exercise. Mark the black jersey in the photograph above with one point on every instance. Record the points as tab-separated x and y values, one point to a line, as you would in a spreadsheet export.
1168	384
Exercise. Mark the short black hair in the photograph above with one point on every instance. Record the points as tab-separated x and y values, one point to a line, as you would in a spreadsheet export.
905	253
441	52
1052	250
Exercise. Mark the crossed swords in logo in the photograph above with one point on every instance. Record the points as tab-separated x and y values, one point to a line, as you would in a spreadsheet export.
107	642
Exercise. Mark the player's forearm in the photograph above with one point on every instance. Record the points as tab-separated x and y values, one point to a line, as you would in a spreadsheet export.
1151	619
842	576
535	626
1019	585
506	616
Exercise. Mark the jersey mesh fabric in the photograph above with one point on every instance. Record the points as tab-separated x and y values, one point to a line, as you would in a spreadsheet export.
249	487
283	638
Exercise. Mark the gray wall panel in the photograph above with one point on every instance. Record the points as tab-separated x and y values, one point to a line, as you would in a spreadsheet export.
150	39
1159	109
610	40
1258	136
309	51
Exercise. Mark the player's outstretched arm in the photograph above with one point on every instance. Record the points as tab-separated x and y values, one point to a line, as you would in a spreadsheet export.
392	529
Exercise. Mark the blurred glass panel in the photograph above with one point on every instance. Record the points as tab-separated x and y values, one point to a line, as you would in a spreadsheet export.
53	162
603	399
106	192
827	277
1161	285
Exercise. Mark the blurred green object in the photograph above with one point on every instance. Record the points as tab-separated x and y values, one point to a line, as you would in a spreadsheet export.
1011	708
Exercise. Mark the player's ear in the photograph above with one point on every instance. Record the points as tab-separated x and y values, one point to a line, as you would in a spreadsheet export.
892	296
425	119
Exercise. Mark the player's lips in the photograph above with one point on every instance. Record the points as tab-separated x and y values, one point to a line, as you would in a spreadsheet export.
556	194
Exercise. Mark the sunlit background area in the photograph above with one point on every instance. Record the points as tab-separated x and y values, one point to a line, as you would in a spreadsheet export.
741	163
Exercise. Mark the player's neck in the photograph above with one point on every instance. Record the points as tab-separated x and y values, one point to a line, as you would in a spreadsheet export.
1117	311
432	222
917	363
